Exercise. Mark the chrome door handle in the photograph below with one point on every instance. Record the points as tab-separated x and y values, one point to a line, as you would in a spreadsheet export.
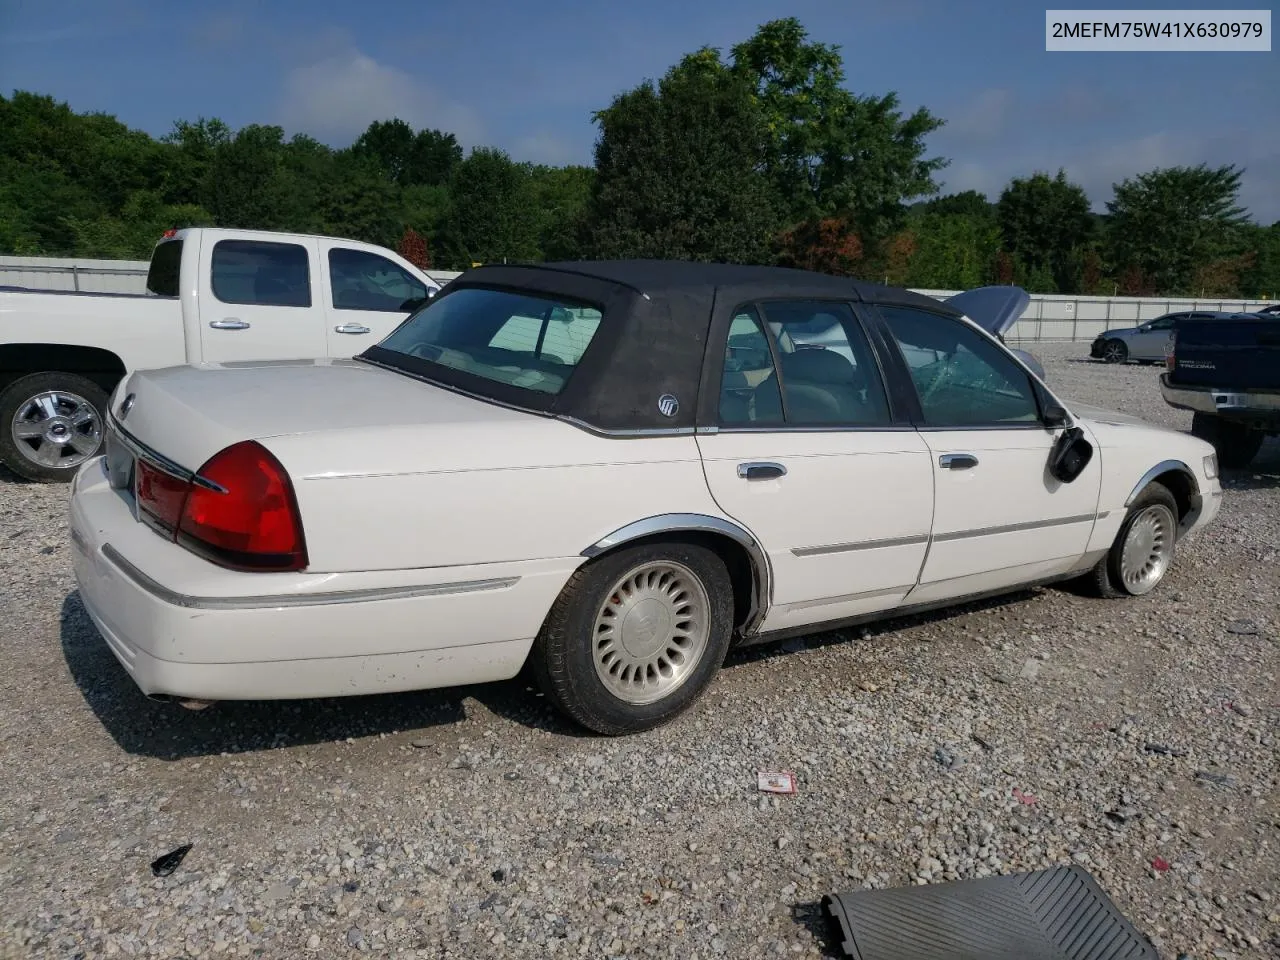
761	471
351	328
231	323
957	461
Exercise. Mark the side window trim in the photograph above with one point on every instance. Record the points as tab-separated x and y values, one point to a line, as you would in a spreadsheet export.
775	357
917	416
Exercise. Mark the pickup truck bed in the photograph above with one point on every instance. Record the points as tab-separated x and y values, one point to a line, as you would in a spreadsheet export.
1228	373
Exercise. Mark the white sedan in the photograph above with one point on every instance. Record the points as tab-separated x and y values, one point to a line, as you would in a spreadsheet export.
612	471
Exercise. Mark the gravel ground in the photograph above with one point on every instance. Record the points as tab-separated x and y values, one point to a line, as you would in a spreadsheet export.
1136	738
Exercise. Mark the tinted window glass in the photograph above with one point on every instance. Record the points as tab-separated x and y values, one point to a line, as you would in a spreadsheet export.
962	378
366	281
748	387
513	338
163	276
828	375
262	273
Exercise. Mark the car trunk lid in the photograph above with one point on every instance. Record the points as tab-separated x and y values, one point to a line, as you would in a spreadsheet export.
187	414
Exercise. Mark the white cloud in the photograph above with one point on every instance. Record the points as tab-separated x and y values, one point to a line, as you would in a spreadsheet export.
336	97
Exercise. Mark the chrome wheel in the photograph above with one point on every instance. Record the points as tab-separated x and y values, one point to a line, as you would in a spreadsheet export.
57	429
1147	549
651	632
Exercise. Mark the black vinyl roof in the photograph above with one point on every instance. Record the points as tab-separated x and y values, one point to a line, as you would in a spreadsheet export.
659	318
655	277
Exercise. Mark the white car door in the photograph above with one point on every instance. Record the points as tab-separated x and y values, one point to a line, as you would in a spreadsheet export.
834	485
999	518
261	302
366	297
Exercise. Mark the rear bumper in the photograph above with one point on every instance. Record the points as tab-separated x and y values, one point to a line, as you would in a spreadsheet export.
183	627
1247	405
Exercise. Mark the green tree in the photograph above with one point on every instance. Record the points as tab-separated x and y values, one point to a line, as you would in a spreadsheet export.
491	216
830	152
561	196
246	182
955	250
1046	226
678	170
1261	278
1169	223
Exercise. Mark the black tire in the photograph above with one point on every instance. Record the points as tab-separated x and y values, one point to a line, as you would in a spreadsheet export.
562	655
18	455
1235	444
1115	351
1104	579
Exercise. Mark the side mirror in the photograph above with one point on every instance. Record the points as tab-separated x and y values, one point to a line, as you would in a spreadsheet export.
1070	455
1055	416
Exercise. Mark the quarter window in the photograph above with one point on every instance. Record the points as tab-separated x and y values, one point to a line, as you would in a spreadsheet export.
261	273
808	362
961	377
365	281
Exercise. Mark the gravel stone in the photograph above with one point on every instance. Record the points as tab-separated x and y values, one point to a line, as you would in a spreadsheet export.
380	825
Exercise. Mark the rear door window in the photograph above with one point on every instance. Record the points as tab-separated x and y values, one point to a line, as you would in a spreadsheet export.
261	273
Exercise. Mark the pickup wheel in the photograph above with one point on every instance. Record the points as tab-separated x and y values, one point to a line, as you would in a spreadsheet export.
50	423
636	636
1142	551
1115	351
1235	444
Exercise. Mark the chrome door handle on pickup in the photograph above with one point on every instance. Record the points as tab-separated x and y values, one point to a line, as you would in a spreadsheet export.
761	471
231	323
351	328
957	461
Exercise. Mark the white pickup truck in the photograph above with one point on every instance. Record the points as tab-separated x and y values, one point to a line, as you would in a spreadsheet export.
213	296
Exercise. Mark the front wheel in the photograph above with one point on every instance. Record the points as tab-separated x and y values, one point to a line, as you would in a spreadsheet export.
636	636
50	423
1142	551
1115	351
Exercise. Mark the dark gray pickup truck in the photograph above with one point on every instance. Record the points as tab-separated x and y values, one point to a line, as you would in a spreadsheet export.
1228	373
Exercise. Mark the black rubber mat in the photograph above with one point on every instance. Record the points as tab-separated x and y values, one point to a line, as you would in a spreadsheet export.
1055	914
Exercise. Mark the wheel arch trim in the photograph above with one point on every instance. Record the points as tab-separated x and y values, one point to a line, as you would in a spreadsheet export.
1163	467
674	523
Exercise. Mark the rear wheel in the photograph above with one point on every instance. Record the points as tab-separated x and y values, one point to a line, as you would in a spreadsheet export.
1115	351
50	424
636	636
1142	551
1235	444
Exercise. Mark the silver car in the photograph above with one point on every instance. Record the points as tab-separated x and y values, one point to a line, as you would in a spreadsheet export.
1146	343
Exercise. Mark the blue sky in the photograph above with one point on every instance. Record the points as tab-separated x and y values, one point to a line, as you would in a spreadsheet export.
526	76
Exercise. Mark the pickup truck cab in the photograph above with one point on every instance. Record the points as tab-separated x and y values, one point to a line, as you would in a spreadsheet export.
213	296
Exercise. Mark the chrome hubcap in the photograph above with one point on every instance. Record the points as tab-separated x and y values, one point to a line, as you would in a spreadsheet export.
57	429
651	632
1147	549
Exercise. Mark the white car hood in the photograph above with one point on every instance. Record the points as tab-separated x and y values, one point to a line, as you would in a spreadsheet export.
190	413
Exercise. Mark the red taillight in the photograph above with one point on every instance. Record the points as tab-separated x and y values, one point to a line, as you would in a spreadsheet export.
160	496
250	523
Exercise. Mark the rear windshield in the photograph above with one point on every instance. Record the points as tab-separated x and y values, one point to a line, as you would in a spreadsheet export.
162	277
517	339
